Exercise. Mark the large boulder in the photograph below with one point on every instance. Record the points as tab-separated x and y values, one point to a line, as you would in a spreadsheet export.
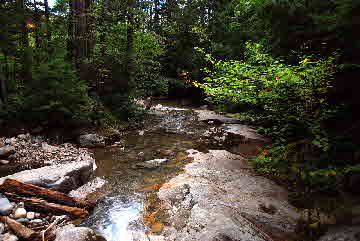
219	197
61	177
244	139
91	140
211	116
6	151
346	233
93	190
72	233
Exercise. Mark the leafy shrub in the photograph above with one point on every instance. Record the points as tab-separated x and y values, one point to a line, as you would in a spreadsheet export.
54	88
295	99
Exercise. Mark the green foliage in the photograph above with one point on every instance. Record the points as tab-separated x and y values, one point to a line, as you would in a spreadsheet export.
54	88
294	99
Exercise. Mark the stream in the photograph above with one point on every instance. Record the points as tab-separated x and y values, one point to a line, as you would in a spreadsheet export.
167	132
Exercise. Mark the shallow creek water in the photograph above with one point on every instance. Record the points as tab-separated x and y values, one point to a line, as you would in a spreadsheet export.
167	133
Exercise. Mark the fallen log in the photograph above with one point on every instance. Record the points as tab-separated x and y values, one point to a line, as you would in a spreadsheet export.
41	205
28	190
20	230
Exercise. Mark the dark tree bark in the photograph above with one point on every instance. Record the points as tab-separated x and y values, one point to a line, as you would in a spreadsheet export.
37	25
130	41
3	80
26	60
156	23
47	19
70	40
102	37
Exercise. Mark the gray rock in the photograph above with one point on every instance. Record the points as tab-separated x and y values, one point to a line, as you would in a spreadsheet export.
2	228
217	196
20	213
62	177
93	190
72	233
37	221
10	141
151	164
6	151
244	139
91	140
22	220
10	237
5	206
207	115
346	233
24	136
48	148
4	162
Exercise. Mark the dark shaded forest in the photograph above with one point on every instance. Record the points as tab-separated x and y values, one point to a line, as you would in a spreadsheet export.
288	67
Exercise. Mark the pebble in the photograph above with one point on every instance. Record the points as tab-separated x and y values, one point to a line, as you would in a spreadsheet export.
20	213
22	220
30	215
2	228
5	206
36	221
4	162
10	237
37	215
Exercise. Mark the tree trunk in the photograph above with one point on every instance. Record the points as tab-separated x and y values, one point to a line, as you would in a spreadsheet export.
156	16
103	32
70	40
47	19
26	60
3	80
80	28
37	25
130	42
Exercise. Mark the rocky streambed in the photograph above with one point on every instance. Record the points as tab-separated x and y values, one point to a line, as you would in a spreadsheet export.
182	174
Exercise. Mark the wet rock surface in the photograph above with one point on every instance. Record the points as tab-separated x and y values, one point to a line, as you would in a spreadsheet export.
219	196
346	233
93	190
72	233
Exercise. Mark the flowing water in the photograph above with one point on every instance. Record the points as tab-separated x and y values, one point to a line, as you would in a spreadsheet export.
167	133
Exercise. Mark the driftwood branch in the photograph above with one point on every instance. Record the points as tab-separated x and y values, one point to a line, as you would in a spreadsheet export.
19	229
41	205
28	190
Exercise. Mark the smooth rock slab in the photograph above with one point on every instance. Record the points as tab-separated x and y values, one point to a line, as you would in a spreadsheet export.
62	177
219	197
72	233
